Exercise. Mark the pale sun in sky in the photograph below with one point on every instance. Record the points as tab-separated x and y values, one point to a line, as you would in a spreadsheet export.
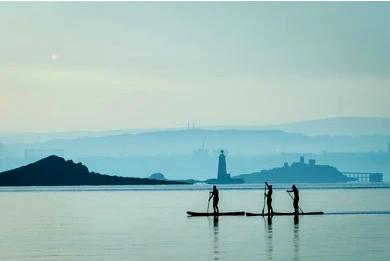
54	56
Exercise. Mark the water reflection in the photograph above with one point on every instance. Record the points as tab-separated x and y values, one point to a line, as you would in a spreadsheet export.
215	238
296	237
269	240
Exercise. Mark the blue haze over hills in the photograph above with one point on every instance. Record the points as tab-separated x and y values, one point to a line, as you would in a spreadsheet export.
348	126
193	153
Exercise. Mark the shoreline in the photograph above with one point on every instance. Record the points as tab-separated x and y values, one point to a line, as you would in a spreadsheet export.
191	187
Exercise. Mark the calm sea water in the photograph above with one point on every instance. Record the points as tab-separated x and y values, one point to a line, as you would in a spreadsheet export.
150	223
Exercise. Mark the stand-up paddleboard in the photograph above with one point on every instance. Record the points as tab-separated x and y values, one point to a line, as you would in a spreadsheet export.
205	214
285	214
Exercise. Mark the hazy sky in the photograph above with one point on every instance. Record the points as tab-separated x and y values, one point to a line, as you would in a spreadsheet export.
94	66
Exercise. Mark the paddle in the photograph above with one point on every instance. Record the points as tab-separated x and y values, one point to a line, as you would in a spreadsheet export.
262	212
293	200
208	205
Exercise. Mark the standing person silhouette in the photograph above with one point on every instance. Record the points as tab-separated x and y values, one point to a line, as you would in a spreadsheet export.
215	196
269	199
296	198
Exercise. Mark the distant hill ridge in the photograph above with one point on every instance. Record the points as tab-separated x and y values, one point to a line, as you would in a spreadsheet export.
56	171
349	126
239	142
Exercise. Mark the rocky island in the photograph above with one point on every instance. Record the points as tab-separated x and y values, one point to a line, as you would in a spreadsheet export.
56	171
298	172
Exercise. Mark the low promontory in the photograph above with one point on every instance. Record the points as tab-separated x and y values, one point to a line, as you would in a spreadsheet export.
56	171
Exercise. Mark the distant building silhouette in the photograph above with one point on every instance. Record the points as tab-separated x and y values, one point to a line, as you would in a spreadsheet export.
376	177
365	176
201	153
302	160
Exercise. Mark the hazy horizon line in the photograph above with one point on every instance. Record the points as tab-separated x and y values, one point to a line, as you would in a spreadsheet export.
191	126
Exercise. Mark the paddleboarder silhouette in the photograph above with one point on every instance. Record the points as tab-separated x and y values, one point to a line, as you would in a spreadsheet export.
269	199
296	198
214	195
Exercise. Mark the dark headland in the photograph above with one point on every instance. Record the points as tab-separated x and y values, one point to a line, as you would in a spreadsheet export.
56	171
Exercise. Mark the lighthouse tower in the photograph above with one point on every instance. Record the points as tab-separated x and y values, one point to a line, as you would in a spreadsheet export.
222	173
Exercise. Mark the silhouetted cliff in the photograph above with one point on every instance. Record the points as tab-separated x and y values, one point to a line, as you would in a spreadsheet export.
55	171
